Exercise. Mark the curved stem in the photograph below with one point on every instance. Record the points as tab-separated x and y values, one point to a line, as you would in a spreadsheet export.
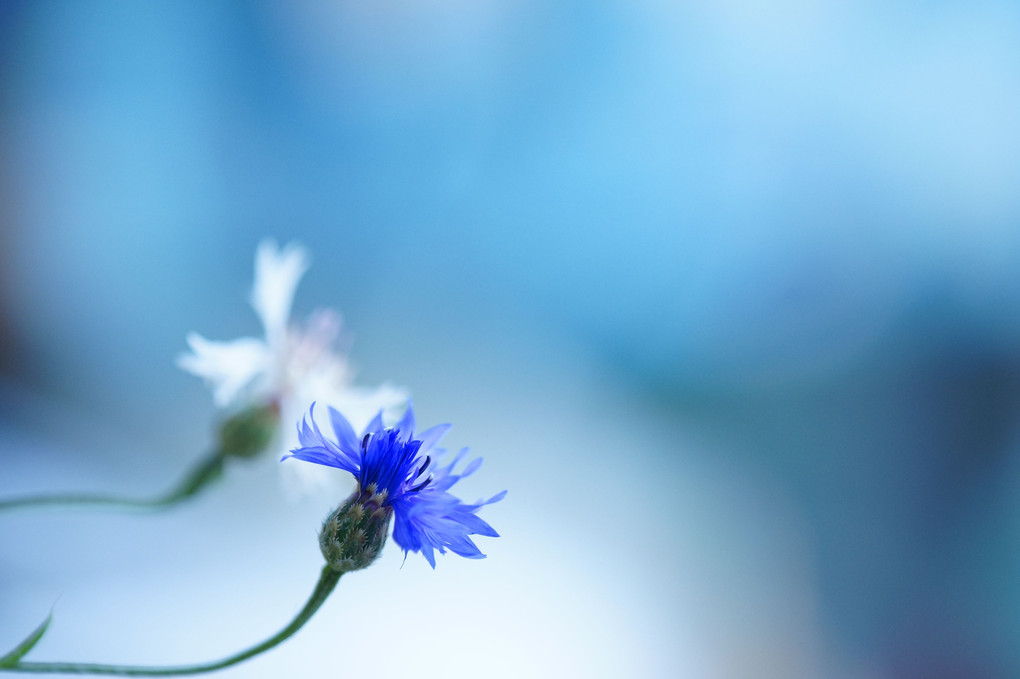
327	582
200	475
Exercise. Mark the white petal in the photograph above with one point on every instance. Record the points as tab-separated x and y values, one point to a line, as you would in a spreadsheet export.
277	273
227	367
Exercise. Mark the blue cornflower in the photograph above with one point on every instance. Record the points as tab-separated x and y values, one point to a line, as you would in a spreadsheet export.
397	475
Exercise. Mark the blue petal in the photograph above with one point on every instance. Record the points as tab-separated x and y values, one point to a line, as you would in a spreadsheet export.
477	526
403	535
426	551
345	435
472	467
320	450
495	498
462	545
376	425
431	436
406	424
322	456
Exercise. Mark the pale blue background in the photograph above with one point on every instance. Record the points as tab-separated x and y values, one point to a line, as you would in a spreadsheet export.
725	292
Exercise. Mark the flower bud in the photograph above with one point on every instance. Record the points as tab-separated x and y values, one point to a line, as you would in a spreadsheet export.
250	431
354	533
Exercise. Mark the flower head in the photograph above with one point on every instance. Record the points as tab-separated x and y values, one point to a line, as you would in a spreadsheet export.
291	365
397	475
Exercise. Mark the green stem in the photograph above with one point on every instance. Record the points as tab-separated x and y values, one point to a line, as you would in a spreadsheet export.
205	471
327	582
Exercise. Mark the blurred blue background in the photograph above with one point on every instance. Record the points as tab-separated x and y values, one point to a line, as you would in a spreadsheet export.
725	292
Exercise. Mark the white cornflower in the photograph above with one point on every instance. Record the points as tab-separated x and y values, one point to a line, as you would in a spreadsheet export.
292	366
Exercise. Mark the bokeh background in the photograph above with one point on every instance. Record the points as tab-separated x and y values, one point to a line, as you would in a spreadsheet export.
726	293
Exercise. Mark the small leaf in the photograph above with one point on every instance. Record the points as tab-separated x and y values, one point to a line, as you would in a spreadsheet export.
12	658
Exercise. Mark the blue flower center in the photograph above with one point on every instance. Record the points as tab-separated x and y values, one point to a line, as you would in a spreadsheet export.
390	466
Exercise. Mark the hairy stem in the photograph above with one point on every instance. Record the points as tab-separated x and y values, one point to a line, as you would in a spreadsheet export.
327	582
205	471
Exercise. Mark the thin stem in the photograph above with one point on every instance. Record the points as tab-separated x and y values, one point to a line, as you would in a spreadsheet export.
200	475
327	582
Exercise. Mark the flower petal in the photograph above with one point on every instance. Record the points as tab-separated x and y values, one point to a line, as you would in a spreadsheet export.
227	367
406	424
472	467
345	435
376	425
318	449
495	498
431	436
277	274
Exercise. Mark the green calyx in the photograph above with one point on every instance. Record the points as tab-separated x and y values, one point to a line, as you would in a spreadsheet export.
250	431
354	533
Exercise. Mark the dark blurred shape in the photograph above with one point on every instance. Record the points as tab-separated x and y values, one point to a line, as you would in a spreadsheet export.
898	459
